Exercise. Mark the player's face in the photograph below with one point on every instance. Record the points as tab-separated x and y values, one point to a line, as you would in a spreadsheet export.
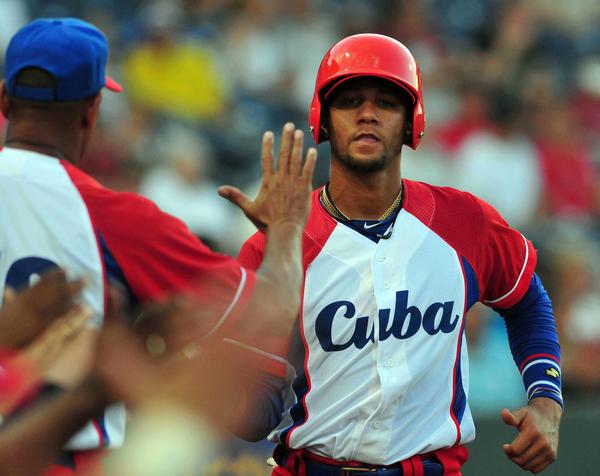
366	123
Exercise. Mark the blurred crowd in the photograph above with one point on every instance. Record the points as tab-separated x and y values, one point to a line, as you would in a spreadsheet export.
512	97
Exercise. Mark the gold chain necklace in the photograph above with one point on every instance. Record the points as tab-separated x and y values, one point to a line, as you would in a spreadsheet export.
337	213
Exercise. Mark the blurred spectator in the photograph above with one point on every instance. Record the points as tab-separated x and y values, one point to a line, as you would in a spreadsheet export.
471	118
255	49
501	165
575	285
180	185
14	15
167	73
587	102
571	186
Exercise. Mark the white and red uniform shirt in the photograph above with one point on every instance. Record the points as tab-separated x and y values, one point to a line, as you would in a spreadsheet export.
52	214
381	356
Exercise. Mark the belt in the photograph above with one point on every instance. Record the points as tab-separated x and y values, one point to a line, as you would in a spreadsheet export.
431	467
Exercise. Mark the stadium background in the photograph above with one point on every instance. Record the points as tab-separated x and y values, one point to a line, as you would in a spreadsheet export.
512	95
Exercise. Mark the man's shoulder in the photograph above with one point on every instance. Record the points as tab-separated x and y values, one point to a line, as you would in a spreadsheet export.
442	206
318	226
442	195
317	230
105	202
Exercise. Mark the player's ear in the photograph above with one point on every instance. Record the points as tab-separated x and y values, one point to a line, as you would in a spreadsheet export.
325	121
4	99
90	112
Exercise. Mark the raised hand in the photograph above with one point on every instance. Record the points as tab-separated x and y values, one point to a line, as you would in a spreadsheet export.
284	194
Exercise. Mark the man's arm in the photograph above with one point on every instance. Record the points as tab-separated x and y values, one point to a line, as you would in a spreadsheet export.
29	443
534	344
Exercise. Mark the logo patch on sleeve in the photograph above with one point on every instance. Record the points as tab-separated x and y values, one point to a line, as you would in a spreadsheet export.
552	372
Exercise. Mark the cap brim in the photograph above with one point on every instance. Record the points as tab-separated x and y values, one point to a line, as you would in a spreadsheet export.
112	85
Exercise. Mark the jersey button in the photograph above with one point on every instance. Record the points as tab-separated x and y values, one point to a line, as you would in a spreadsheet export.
386	285
376	425
380	258
389	363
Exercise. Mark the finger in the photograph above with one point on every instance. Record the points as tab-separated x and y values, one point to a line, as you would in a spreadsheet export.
9	295
296	157
285	148
540	463
519	446
510	418
266	155
308	170
71	324
535	456
74	287
235	196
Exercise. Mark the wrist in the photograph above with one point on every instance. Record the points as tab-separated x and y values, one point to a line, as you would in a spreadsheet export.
547	404
286	225
94	393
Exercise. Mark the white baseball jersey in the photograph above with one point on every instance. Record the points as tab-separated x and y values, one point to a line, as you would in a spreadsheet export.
44	223
52	214
381	356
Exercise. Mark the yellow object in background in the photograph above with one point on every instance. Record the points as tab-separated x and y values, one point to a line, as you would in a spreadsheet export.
178	79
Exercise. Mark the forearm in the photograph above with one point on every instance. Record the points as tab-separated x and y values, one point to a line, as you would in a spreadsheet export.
283	257
279	279
534	343
31	442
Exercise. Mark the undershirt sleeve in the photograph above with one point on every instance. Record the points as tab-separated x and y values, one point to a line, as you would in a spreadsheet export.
533	341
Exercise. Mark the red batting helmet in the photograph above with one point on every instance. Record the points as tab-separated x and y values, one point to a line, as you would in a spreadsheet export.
369	54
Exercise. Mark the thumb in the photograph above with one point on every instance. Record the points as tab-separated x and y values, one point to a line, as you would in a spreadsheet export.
235	196
513	418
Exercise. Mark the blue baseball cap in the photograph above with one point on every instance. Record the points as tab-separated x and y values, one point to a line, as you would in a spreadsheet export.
73	51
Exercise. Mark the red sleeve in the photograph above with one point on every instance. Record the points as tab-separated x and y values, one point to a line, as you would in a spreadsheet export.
508	261
160	256
252	252
502	258
157	253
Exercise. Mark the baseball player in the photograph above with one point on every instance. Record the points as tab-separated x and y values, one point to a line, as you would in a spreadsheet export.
391	268
54	215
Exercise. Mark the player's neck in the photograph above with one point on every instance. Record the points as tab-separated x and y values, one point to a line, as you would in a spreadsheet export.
364	196
42	145
36	147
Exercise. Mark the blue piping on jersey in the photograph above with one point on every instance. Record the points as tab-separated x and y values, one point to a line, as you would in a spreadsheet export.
460	398
102	427
471	282
115	276
472	296
296	357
